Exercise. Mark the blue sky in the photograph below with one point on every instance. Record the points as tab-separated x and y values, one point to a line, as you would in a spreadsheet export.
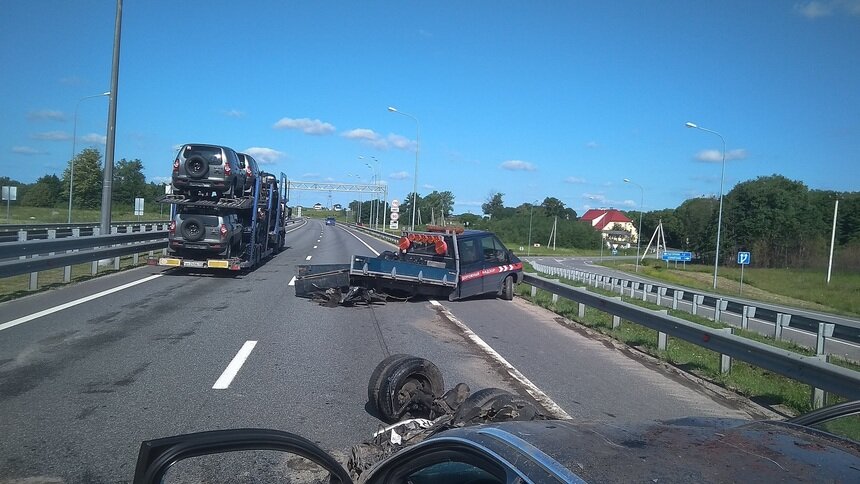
531	99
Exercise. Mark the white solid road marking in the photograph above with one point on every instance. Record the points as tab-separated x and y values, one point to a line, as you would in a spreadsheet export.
315	247
230	372
292	281
533	390
363	242
24	319
308	257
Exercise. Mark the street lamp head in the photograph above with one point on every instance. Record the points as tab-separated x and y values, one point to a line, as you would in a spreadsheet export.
106	93
691	125
393	110
626	180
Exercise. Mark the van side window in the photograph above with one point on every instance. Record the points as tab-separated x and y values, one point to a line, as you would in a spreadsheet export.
491	252
469	251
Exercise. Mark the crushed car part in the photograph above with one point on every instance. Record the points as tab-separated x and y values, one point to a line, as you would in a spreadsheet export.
494	405
406	388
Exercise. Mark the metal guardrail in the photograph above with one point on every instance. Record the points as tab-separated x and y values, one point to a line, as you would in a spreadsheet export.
807	369
843	328
22	232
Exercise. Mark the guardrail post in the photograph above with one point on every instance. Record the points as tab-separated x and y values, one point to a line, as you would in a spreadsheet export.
634	286
697	299
676	297
818	395
720	305
534	291
616	320
555	298
581	310
115	230
646	291
825	330
22	237
726	360
781	320
95	264
661	291
621	284
662	338
67	270
747	313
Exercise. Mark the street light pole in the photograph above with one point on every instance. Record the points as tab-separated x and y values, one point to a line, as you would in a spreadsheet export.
639	230
720	216
74	139
531	216
417	149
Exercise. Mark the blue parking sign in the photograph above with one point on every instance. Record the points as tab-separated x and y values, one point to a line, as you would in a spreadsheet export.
744	258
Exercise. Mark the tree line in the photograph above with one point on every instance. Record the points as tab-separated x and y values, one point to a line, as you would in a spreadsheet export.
129	183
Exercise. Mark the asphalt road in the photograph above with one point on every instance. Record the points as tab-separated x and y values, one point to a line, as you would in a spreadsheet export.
80	387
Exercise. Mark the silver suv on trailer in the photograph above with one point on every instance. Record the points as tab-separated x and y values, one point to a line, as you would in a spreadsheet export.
205	231
203	169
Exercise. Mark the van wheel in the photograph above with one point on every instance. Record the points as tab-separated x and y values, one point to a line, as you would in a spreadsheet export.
508	288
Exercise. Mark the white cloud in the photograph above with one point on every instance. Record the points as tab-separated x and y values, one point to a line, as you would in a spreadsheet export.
52	136
518	165
305	125
310	176
716	156
94	138
401	142
591	144
399	175
428	187
818	9
597	197
574	179
264	156
372	138
627	203
161	180
46	115
26	150
234	113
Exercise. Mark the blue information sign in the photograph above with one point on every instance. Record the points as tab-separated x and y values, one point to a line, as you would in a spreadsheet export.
744	258
677	256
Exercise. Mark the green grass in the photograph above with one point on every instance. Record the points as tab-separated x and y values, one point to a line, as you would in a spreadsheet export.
800	288
17	286
752	382
40	215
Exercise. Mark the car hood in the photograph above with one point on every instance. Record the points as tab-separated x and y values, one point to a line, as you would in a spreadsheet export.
684	450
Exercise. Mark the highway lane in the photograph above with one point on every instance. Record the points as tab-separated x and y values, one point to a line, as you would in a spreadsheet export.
80	388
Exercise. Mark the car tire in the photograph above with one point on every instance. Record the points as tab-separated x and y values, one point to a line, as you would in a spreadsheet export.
508	288
193	229
399	380
490	405
196	166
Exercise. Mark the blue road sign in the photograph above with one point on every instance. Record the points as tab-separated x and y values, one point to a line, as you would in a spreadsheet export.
677	256
744	258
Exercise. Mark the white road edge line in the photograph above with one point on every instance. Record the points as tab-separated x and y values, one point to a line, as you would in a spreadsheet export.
531	388
315	247
292	281
233	368
308	257
363	242
24	319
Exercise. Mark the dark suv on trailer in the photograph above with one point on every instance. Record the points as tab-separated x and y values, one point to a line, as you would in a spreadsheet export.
201	231
203	169
251	168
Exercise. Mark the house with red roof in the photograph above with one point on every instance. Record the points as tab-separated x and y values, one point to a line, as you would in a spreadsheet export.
613	225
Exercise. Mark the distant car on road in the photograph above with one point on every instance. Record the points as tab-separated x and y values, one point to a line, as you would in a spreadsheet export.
329	221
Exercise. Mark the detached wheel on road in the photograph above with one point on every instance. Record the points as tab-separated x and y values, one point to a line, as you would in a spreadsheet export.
196	166
404	385
193	229
493	405
508	288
